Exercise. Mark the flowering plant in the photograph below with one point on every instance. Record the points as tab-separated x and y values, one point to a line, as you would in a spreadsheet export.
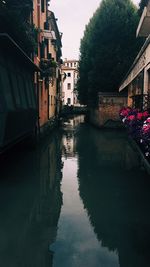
124	112
138	126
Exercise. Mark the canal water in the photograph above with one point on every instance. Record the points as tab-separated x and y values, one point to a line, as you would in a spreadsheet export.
82	199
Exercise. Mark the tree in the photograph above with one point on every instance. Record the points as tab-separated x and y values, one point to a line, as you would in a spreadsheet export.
15	21
107	49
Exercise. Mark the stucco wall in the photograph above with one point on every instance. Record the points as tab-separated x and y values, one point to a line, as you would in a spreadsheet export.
43	103
68	93
52	99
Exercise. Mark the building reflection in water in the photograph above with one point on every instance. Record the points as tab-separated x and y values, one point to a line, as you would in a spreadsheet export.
69	135
30	204
115	193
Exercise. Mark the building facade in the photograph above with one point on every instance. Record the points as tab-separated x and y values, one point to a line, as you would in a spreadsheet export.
55	50
29	89
137	80
69	73
48	58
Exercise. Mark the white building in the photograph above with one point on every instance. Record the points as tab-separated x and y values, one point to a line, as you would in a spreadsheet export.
69	71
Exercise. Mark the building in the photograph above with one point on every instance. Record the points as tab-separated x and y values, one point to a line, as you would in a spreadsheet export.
47	58
69	72
137	80
30	91
69	140
55	45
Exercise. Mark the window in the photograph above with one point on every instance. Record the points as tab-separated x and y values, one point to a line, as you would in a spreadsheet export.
42	6
69	74
42	49
68	86
71	64
68	101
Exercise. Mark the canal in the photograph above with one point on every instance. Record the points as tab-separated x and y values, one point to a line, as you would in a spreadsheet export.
81	199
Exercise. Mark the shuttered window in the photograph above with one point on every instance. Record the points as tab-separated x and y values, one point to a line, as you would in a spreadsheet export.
42	6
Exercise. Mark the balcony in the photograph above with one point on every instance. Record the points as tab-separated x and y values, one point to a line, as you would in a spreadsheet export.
49	34
143	29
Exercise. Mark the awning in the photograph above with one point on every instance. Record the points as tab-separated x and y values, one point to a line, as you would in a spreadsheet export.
140	62
143	29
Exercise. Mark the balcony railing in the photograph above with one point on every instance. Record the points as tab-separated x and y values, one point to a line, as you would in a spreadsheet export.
49	35
141	101
146	101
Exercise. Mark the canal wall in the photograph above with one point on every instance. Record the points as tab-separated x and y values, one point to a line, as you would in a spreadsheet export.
144	161
107	113
73	110
48	127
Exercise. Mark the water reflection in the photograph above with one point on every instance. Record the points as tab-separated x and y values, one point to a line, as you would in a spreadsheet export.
115	193
30	204
100	219
105	217
70	127
76	243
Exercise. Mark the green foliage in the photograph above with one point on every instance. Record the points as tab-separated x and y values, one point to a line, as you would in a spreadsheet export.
107	49
15	20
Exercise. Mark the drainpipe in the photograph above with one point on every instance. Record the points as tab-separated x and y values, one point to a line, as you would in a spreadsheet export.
38	117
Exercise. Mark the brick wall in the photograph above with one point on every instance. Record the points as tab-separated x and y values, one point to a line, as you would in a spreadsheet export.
107	114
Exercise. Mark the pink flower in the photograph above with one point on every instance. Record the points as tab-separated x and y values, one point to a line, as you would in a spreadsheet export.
146	128
139	116
125	112
131	117
148	120
145	114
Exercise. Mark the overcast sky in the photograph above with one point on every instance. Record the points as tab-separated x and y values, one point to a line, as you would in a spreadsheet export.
72	17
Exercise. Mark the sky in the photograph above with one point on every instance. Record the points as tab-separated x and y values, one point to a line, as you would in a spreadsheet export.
73	16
